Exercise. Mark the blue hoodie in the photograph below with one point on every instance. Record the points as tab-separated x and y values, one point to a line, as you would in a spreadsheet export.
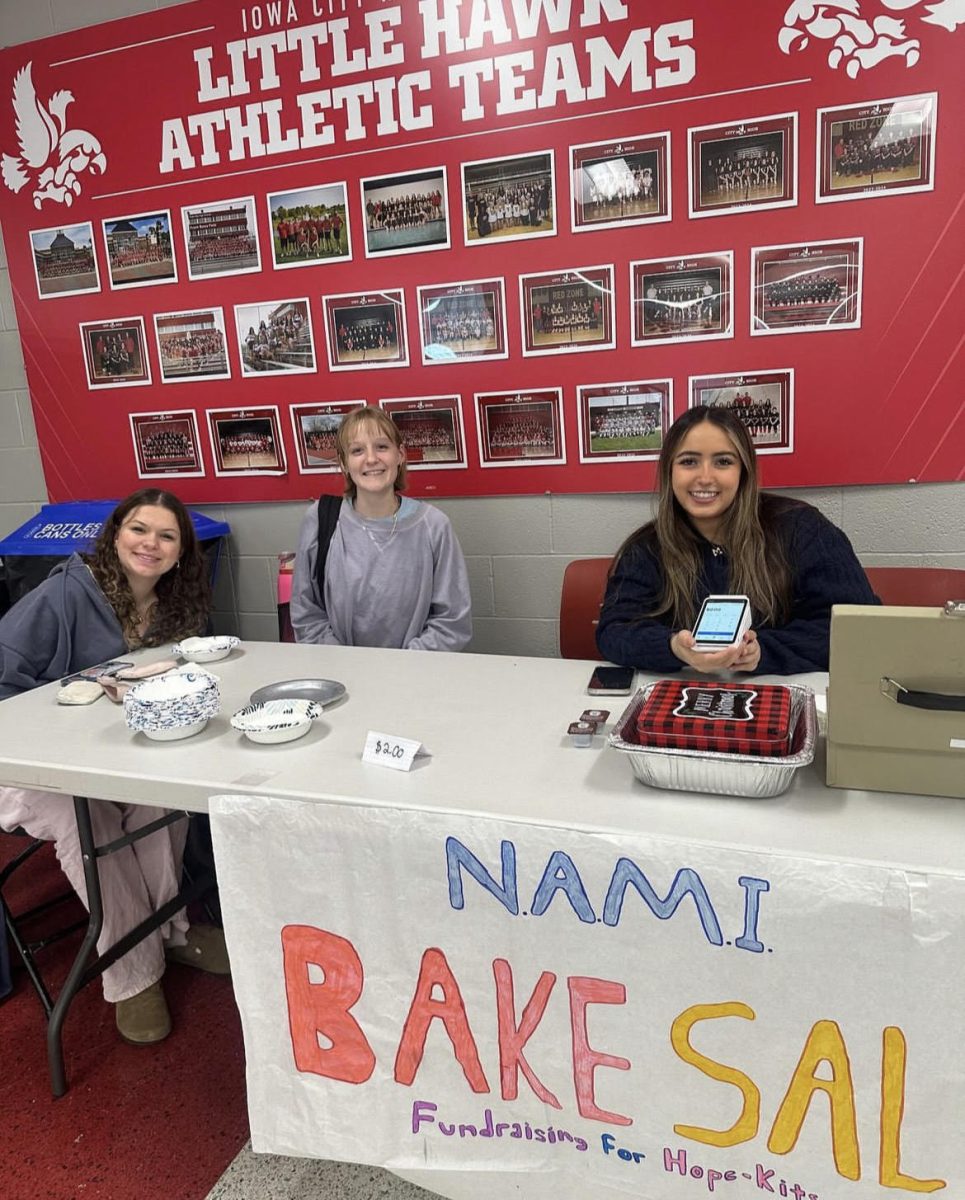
64	625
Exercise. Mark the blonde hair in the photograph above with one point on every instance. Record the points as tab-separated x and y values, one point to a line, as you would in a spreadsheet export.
349	429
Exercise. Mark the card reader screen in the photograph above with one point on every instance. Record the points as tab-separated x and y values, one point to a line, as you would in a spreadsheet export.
719	622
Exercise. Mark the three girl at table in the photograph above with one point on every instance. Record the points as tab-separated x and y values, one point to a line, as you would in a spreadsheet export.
393	575
144	584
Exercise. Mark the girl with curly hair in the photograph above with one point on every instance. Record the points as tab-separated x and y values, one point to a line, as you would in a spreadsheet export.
144	583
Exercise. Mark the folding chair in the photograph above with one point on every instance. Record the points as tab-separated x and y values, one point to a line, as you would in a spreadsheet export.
18	924
917	586
87	964
584	583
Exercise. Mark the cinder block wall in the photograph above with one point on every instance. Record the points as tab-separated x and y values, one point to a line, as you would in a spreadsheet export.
516	547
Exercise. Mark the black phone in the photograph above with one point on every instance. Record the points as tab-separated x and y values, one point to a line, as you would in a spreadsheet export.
611	681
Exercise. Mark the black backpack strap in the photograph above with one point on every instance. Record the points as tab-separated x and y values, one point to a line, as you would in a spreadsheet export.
329	508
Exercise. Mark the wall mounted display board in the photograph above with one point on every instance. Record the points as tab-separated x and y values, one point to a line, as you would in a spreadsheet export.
442	207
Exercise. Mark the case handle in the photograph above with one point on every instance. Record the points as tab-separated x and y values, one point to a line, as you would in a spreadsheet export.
933	700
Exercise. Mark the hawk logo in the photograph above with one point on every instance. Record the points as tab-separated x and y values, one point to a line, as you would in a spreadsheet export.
858	43
51	155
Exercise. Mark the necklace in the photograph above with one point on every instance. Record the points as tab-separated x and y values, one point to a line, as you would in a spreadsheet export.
381	545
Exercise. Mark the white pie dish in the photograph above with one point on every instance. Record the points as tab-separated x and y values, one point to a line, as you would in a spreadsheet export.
206	649
276	720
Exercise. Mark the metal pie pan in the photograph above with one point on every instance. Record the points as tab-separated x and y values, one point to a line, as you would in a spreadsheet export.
322	691
721	774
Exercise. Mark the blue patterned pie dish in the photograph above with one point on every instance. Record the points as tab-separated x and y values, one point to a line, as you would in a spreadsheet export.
172	706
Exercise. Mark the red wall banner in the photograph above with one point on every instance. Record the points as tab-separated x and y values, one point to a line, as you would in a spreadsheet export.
537	230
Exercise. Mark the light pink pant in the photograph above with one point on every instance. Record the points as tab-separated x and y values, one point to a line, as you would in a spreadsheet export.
135	880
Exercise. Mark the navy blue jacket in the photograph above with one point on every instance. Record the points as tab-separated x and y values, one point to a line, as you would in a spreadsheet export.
824	571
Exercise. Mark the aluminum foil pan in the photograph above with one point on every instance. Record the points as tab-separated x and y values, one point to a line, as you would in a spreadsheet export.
721	774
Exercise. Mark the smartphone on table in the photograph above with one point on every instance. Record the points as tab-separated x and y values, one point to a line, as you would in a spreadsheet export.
611	681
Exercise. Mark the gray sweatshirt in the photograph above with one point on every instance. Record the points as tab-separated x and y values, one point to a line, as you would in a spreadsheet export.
63	625
398	583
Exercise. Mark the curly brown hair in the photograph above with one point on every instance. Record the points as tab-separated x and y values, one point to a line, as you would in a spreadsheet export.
183	594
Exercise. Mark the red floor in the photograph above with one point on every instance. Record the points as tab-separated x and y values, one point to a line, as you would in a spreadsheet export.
160	1121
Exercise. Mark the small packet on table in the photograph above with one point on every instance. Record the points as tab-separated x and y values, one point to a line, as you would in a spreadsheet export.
80	691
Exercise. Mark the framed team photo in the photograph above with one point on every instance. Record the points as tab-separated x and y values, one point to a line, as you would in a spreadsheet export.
624	182
520	429
462	322
167	445
567	310
509	198
309	226
431	431
115	353
366	330
743	166
682	299
64	260
762	400
221	238
623	421
246	441
806	287
404	214
140	252
275	338
192	346
878	148
315	427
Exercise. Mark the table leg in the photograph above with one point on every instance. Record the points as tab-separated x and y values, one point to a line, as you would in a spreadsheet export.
75	978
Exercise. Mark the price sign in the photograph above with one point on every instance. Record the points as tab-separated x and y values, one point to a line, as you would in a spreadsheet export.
387	750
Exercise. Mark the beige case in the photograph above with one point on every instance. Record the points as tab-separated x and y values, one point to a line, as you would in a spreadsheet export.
874	742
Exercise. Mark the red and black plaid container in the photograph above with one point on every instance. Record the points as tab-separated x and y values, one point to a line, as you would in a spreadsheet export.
725	718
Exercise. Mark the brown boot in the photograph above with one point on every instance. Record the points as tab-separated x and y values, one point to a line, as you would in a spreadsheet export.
205	950
143	1019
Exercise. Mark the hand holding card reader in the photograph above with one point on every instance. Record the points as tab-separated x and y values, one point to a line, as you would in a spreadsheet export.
722	623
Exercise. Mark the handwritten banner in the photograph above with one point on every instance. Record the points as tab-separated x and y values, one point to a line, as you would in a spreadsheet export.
654	1016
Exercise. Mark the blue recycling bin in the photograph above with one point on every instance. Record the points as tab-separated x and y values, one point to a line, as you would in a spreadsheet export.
31	552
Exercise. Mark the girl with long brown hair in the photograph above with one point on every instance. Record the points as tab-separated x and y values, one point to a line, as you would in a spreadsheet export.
716	533
144	583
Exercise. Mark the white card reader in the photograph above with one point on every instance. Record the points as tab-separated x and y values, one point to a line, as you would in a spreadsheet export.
722	622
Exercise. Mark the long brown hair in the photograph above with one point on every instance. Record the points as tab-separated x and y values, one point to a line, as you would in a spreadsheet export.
758	564
349	429
183	593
